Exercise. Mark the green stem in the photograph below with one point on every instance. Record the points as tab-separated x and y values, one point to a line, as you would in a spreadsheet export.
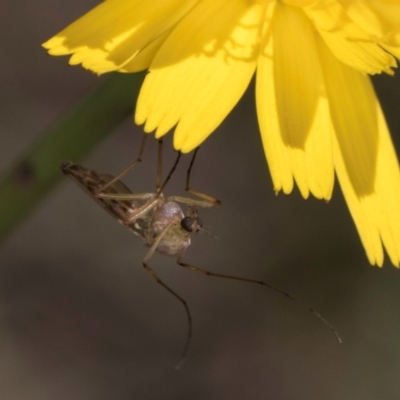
29	179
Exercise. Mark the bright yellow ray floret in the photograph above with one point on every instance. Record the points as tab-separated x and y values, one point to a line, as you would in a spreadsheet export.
317	110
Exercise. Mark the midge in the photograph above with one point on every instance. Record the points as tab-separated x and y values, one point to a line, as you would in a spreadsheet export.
159	221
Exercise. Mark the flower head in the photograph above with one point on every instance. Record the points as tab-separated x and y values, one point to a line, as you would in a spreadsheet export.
317	110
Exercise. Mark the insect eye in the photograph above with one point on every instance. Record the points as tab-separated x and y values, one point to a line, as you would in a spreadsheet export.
187	224
191	224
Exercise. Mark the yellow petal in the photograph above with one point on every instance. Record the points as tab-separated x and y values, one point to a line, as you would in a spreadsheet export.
347	40
365	159
144	58
292	107
364	15
381	19
393	45
115	32
388	10
201	71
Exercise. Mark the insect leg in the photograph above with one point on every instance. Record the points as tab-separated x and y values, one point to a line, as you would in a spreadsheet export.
161	189
144	209
212	200
152	200
159	165
192	202
126	170
159	281
126	196
262	283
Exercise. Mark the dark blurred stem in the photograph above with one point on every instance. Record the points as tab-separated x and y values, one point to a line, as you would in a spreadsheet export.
33	174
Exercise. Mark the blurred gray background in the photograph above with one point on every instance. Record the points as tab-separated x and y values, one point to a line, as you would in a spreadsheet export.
81	319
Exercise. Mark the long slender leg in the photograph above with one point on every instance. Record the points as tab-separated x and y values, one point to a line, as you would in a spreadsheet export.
161	189
189	336
215	202
152	201
191	202
126	170
159	165
158	280
144	209
126	196
237	278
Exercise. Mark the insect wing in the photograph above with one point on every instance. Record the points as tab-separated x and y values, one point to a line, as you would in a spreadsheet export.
91	182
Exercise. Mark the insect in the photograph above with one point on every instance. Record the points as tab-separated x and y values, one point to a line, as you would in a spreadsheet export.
159	221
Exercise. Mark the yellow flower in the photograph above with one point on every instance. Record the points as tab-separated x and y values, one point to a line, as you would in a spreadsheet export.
316	107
